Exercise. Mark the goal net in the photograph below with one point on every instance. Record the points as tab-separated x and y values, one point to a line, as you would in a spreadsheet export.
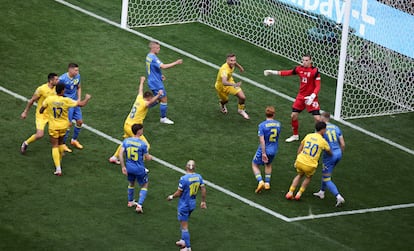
379	67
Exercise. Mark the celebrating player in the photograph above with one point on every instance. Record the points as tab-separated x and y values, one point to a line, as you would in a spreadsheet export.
225	85
307	159
310	84
156	78
187	190
136	151
269	131
41	93
57	108
335	139
73	90
137	115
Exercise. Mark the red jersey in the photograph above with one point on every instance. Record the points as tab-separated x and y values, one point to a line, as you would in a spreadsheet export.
310	79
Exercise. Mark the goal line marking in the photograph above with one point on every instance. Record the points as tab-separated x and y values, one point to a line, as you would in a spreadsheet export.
228	192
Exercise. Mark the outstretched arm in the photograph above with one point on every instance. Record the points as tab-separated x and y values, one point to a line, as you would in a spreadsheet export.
166	66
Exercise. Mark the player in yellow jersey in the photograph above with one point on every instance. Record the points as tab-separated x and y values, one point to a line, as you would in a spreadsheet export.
309	151
137	115
41	93
56	108
225	85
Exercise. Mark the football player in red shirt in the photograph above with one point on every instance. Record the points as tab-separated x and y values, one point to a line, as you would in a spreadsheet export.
310	84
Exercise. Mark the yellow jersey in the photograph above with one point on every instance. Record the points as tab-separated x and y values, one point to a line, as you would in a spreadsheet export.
57	109
43	92
313	145
224	71
138	111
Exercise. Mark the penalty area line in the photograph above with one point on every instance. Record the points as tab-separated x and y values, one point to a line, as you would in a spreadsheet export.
351	212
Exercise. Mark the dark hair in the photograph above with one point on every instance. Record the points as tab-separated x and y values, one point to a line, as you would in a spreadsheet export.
148	94
320	125
72	65
307	55
59	88
51	76
136	127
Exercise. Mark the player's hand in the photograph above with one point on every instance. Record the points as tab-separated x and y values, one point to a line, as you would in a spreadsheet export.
264	158
309	99
142	78
271	72
88	96
160	92
179	61
238	84
170	197
23	115
163	78
124	171
203	205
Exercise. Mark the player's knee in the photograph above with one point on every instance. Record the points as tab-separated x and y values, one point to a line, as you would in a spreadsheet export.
79	123
39	134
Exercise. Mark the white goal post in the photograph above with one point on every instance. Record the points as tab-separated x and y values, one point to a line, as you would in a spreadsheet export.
367	45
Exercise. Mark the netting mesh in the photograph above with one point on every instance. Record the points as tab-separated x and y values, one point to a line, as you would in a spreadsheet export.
378	80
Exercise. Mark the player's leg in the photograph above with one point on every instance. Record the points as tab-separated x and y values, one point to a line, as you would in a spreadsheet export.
164	109
241	107
295	125
70	117
127	133
303	187
143	182
54	140
257	160
40	127
77	115
268	173
131	190
184	242
295	181
223	100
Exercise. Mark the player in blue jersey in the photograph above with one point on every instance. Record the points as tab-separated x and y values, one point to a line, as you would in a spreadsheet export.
188	187
336	141
268	132
136	151
155	78
73	90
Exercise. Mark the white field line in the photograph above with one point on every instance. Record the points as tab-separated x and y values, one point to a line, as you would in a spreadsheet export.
351	212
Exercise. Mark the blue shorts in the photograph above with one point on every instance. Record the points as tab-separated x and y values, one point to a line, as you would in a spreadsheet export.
75	113
183	215
329	162
257	159
155	91
140	178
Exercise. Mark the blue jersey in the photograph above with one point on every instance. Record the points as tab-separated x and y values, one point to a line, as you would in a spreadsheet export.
71	85
270	130
154	75
189	185
332	135
135	149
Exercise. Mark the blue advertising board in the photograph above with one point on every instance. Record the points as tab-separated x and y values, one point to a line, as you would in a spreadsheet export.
371	20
